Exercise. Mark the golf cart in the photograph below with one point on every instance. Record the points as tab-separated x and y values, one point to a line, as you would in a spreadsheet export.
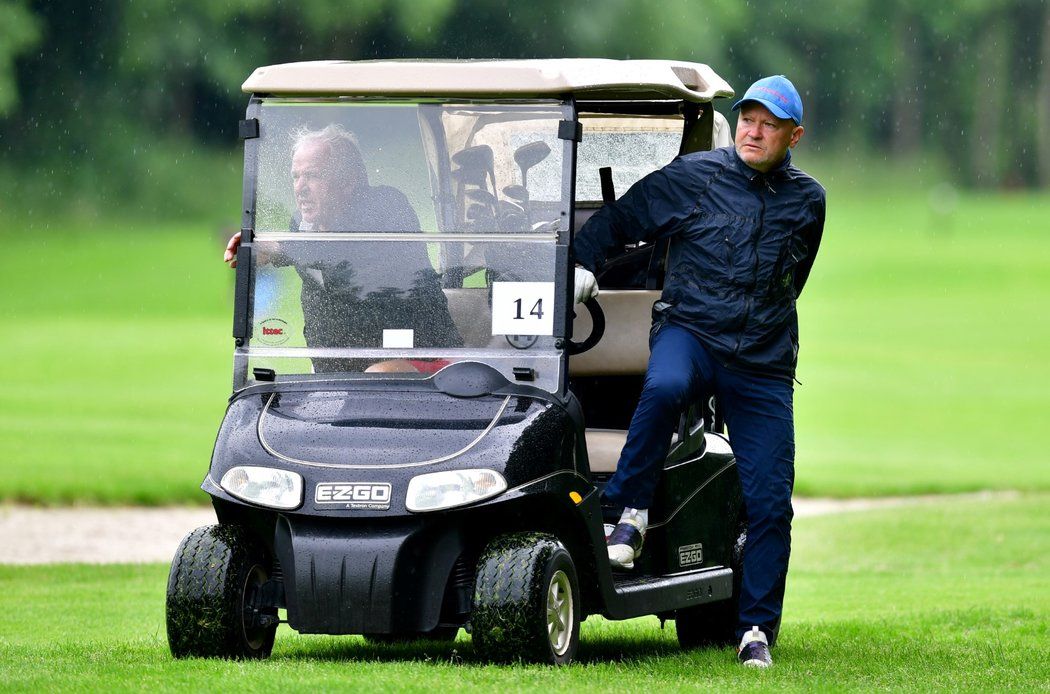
379	473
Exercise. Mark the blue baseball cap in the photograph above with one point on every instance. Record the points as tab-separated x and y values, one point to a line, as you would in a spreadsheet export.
778	95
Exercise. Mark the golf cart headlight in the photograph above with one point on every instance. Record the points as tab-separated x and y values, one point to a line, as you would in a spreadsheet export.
264	486
439	490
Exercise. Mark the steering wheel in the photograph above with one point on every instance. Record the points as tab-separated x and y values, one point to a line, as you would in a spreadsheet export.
597	328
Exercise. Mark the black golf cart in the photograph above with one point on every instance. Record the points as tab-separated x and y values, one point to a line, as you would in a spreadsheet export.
414	442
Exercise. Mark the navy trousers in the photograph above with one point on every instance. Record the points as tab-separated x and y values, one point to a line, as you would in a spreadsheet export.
759	414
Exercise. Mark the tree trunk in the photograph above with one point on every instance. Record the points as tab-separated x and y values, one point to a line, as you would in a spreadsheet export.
986	144
1042	120
906	119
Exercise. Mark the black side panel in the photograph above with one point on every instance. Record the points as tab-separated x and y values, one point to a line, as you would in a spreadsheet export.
364	578
608	401
700	534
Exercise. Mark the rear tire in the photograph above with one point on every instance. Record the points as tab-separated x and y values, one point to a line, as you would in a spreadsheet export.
526	601
213	598
714	623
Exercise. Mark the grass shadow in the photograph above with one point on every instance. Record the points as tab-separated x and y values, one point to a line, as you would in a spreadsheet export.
599	649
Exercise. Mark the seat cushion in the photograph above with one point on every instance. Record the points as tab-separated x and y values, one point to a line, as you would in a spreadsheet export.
624	350
603	448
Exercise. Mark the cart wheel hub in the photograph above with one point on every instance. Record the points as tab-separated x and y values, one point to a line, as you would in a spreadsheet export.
559	612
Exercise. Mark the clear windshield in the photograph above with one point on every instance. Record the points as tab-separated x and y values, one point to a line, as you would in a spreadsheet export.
405	236
632	147
336	165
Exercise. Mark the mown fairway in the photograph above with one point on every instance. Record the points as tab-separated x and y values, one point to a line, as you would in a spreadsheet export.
946	596
117	366
924	347
923	360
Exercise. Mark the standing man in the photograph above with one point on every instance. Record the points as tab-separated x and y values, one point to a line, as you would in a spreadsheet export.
745	226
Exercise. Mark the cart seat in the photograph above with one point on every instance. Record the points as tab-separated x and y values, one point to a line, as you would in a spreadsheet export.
466	305
603	448
623	351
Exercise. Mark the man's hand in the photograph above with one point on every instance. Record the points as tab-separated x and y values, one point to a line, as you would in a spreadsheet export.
585	285
230	256
262	254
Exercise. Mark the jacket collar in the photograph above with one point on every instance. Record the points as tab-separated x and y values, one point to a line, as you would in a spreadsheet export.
783	169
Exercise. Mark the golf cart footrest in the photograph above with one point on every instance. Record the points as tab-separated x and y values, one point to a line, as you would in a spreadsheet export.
652	594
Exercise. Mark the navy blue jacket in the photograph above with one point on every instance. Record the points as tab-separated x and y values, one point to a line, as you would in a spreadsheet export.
742	245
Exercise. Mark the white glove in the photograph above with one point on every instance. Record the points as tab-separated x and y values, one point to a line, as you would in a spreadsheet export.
584	284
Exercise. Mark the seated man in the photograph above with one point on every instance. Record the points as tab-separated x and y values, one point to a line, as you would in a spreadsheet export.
349	303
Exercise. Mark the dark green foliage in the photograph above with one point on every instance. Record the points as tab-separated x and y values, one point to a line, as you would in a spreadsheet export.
213	578
509	617
19	32
108	105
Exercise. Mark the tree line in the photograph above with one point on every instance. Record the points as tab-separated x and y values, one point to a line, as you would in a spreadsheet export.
967	81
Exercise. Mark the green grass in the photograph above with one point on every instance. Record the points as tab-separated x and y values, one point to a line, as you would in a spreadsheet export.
923	359
946	596
924	346
116	363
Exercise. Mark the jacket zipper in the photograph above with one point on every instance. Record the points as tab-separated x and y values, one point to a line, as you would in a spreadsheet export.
754	271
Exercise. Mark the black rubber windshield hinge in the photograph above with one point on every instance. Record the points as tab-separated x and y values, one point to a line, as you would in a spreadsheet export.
249	128
524	373
262	374
570	130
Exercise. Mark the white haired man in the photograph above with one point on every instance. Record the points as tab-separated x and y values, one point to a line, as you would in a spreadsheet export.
349	302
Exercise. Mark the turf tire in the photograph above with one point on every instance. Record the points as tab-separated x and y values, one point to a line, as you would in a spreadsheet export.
212	588
512	596
714	623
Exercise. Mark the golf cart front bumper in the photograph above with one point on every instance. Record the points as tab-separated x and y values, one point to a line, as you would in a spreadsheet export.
368	577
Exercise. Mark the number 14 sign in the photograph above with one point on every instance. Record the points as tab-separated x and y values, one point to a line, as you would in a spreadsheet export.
522	308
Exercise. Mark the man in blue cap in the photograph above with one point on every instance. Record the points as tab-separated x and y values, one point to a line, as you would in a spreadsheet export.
745	225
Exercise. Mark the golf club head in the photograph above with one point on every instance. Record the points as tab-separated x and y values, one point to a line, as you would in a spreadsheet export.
518	193
527	156
481	196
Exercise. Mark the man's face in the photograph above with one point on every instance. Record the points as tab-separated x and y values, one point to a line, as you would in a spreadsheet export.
319	194
762	139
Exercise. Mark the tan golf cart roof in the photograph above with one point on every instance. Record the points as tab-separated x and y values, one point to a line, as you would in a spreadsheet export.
586	78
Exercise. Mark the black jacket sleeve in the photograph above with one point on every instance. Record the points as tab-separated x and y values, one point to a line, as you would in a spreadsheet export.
652	208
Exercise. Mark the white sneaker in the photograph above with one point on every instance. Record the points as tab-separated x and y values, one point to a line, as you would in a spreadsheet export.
626	540
754	649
